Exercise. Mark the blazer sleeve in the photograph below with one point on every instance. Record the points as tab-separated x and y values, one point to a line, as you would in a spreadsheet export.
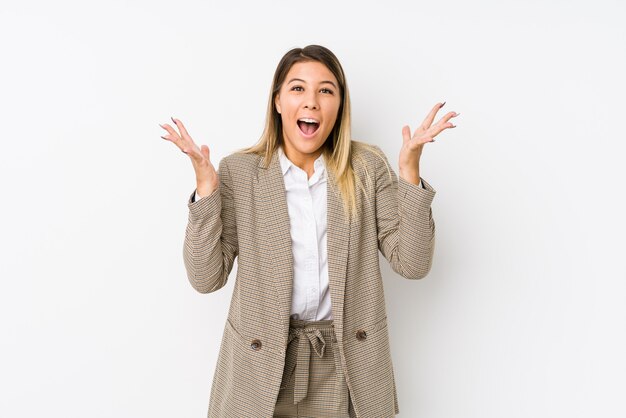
211	244
405	225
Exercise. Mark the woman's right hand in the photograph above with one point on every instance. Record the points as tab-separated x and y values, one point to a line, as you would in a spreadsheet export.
207	179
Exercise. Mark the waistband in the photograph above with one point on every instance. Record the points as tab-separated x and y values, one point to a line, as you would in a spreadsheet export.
301	323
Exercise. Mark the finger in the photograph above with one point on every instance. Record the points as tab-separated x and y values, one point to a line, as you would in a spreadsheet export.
172	135
205	151
423	140
187	142
169	138
406	134
431	115
447	117
444	119
189	147
437	126
437	129
181	127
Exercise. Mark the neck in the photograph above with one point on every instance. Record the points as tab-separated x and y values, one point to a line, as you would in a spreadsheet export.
303	161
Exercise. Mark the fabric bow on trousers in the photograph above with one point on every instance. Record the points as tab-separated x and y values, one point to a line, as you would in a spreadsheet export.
313	381
307	338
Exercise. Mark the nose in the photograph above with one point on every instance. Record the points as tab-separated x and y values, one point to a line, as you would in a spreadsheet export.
310	101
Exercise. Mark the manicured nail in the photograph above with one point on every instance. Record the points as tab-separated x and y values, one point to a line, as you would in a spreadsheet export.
173	119
163	137
453	126
456	114
442	105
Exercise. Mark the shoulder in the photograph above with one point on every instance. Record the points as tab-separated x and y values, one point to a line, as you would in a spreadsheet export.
369	155
371	165
240	161
238	169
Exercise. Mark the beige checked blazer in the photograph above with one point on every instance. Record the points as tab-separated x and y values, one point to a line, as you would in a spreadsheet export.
247	217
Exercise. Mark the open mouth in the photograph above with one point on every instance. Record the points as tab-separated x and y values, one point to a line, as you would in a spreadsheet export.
308	126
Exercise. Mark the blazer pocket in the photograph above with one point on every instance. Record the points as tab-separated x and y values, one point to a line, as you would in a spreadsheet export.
253	344
380	325
363	333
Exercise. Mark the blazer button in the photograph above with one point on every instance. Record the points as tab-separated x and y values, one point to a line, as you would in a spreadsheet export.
361	335
256	345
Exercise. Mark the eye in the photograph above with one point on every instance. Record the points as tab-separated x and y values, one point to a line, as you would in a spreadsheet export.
325	90
297	88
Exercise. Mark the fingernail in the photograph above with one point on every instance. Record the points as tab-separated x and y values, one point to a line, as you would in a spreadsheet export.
453	126
456	114
173	119
442	105
163	137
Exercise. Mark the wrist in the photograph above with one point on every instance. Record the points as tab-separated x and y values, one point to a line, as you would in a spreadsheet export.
411	175
205	189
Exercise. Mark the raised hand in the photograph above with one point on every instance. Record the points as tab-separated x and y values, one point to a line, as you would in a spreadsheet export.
413	145
207	179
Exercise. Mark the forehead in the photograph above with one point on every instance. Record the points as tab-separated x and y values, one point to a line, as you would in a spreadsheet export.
310	71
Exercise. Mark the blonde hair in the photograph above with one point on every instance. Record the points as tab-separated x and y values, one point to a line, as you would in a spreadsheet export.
338	147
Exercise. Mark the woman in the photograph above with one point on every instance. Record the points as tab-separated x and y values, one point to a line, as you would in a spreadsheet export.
306	210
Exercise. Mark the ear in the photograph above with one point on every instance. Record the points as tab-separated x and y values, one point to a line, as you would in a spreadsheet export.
277	103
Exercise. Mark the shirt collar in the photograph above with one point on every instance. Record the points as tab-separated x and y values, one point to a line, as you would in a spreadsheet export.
285	163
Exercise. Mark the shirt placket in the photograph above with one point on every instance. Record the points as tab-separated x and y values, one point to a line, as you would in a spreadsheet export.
312	258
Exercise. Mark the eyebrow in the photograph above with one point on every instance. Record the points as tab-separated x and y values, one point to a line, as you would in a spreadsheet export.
322	82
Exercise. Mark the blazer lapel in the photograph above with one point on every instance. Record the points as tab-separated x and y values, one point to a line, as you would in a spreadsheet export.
338	239
272	200
271	197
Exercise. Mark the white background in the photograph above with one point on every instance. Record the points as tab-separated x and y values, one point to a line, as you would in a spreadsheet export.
523	312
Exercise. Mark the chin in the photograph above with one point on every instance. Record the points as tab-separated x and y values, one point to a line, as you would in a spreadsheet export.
310	148
304	145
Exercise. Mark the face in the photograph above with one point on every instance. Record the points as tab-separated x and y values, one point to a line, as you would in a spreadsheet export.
308	103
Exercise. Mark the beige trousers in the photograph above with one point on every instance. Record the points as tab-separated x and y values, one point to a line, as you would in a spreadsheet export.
313	382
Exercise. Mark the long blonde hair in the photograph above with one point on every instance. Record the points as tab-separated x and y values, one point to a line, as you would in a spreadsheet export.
337	149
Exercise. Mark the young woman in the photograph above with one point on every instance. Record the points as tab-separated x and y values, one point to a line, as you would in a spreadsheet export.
306	210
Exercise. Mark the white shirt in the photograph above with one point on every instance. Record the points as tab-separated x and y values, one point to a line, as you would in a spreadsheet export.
307	204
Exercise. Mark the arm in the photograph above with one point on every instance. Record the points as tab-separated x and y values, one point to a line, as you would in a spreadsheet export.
406	229
211	244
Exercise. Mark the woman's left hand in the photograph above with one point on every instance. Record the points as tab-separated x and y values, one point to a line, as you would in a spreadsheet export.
412	146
